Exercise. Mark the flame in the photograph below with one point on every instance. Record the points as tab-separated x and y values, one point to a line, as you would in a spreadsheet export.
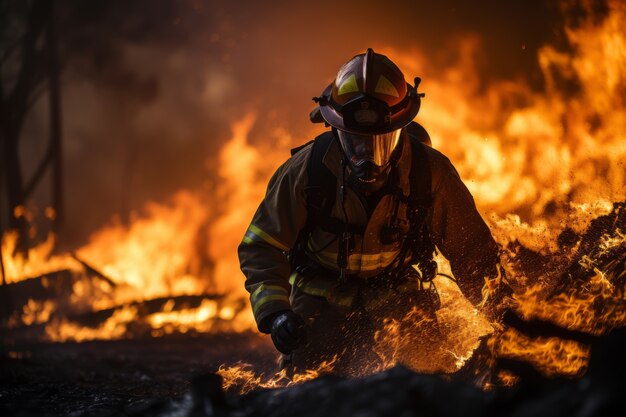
551	163
204	318
551	356
154	254
33	313
170	250
36	261
558	147
244	379
115	327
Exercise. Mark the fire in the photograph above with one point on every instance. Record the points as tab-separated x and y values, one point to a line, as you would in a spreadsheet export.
115	327
550	356
559	147
155	253
33	313
537	169
578	310
36	261
407	341
201	319
243	378
161	254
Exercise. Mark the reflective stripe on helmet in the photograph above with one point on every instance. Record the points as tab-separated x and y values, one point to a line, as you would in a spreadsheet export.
348	86
369	95
384	86
255	234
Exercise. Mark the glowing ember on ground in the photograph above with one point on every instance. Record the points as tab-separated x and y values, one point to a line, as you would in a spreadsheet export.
243	378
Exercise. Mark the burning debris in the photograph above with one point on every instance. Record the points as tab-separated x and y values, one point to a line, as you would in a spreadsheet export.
398	391
148	286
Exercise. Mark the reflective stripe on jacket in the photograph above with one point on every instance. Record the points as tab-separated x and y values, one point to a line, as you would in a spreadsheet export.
453	221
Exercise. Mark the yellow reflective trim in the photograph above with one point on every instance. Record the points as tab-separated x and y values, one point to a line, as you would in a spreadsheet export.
278	297
358	262
384	86
327	261
247	240
260	233
311	290
348	86
346	301
384	257
298	281
320	288
311	287
292	278
265	287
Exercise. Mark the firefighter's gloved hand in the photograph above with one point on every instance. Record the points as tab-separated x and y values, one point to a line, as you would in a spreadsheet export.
288	332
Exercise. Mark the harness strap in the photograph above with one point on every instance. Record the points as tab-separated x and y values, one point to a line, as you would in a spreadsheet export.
321	194
417	246
418	239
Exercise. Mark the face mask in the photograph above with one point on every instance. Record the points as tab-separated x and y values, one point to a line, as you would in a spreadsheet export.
376	149
369	157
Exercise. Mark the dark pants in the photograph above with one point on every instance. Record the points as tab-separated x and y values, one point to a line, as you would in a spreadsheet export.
359	340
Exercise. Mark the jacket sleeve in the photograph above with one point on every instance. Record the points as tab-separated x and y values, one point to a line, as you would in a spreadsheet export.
459	232
273	231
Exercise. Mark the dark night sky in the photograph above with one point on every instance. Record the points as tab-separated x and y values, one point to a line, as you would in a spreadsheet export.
150	87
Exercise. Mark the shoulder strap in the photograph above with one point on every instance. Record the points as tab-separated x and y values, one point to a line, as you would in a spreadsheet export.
421	200
420	176
418	132
299	148
320	193
417	245
321	183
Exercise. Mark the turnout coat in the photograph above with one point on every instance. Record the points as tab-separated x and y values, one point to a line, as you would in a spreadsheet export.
454	225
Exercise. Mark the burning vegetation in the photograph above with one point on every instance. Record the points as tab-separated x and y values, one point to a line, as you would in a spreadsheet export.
547	170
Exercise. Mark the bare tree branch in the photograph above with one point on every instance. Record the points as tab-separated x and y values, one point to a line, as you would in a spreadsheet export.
35	89
18	98
41	169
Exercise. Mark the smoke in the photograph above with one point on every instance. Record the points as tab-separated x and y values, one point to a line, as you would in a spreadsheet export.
150	88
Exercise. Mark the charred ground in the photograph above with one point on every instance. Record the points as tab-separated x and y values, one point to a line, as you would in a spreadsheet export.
164	377
175	374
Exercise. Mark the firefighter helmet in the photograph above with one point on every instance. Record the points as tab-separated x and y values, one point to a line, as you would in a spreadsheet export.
369	96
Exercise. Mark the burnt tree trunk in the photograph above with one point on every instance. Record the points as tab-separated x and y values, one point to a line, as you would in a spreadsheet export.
5	298
32	64
55	122
14	184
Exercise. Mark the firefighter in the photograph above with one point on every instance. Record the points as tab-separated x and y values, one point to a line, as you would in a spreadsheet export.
346	233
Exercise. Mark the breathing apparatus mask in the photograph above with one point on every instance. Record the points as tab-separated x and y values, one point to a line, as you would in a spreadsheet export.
370	158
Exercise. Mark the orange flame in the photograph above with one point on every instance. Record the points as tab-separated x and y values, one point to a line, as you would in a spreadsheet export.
243	378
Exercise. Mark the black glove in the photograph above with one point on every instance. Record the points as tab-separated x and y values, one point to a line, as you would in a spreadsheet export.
287	331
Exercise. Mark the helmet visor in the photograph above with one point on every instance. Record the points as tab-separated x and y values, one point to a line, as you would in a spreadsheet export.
374	148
